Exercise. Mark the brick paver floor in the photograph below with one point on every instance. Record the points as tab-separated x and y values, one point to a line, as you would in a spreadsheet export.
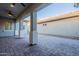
47	46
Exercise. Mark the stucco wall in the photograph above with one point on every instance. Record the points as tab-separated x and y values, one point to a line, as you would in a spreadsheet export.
65	27
4	32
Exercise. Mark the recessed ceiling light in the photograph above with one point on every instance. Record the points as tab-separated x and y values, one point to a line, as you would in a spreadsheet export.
10	14
12	5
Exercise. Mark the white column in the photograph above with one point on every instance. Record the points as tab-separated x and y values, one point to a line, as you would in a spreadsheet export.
19	28
33	37
15	27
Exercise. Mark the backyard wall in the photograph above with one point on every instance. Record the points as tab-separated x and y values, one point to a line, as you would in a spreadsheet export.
66	27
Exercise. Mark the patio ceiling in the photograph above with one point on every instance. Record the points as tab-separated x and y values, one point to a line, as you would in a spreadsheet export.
6	8
18	10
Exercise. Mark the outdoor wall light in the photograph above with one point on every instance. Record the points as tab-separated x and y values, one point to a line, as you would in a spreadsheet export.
76	5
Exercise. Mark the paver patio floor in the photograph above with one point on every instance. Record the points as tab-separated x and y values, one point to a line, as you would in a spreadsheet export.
47	46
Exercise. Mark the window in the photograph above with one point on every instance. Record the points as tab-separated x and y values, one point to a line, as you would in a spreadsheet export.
8	25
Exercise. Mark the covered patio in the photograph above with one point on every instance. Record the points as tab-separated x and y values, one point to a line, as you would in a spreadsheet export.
12	15
33	44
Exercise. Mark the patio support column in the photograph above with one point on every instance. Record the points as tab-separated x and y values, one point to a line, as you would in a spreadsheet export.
33	37
19	29
15	27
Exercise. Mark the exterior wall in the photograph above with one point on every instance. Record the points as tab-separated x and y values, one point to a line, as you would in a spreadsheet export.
23	31
66	27
4	32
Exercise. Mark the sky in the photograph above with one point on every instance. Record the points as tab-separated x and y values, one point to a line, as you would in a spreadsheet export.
56	9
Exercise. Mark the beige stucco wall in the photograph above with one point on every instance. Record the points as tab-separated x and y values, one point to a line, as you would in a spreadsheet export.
65	27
